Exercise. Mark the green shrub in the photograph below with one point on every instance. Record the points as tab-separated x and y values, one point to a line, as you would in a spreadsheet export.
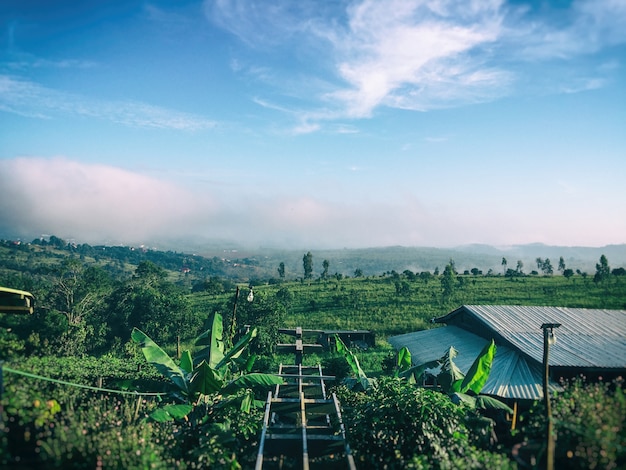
397	425
589	423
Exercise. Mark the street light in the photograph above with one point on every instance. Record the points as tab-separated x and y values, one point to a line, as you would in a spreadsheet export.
549	337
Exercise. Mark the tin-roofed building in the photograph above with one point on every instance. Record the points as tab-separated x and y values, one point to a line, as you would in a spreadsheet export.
591	342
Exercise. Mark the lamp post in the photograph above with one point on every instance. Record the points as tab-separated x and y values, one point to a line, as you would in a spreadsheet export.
549	338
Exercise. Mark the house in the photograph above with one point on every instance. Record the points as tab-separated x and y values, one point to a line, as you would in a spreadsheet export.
591	342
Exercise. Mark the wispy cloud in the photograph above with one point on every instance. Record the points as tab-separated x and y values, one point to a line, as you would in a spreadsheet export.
414	55
39	63
418	55
28	98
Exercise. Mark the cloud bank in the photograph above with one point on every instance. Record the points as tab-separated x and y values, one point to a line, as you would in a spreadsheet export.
94	203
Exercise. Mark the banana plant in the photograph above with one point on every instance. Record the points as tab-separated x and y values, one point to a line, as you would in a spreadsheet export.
361	382
461	387
211	371
403	362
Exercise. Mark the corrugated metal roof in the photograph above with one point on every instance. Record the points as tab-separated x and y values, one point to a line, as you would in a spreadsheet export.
512	375
589	338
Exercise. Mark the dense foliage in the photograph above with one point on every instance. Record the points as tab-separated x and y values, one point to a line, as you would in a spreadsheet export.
397	425
590	424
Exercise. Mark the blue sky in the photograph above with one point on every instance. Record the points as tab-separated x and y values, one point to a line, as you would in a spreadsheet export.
313	124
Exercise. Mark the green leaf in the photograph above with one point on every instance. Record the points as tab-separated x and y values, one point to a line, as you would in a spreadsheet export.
459	398
206	380
404	360
170	413
178	411
237	349
246	402
450	377
161	416
214	339
478	373
485	402
253	380
163	363
418	371
186	362
352	360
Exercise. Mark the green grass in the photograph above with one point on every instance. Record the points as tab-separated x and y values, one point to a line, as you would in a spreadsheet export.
374	303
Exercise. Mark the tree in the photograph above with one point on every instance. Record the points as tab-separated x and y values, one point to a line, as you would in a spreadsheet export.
547	267
448	280
79	295
325	265
151	303
425	276
561	264
281	270
603	270
266	313
504	264
307	263
520	266
358	272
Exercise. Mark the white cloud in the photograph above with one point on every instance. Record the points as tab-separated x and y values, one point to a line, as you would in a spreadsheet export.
28	98
88	201
409	53
96	203
422	55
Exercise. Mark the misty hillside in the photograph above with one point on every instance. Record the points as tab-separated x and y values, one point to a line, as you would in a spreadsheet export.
373	261
237	263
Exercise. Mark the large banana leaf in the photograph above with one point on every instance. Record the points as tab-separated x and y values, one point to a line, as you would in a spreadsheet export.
237	349
164	363
485	402
253	380
404	360
186	361
352	360
418	371
206	380
480	402
450	377
213	338
477	375
171	412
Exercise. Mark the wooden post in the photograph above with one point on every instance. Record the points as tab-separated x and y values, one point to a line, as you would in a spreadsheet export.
1	393
548	338
233	319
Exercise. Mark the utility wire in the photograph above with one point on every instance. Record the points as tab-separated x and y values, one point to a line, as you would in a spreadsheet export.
87	387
